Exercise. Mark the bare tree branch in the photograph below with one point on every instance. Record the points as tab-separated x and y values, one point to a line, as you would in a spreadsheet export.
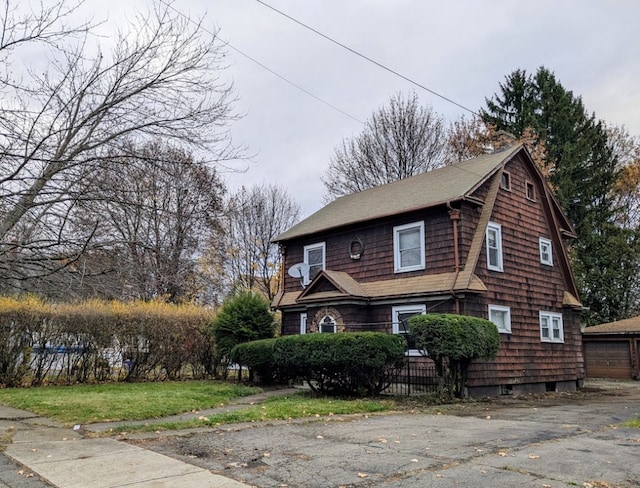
399	140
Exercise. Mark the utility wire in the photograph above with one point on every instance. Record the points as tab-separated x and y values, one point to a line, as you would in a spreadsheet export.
353	51
275	73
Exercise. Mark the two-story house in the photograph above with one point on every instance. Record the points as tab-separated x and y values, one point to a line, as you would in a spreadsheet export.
484	237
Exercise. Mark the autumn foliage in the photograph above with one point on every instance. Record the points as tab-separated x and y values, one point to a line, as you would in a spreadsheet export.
101	341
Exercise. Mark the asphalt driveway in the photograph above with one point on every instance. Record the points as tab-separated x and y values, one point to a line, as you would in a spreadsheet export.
536	442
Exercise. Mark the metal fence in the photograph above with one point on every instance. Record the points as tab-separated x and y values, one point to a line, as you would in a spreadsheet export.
417	377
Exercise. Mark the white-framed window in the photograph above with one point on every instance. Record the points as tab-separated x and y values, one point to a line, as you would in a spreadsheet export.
314	256
551	329
546	254
303	323
408	247
327	325
494	246
501	316
400	322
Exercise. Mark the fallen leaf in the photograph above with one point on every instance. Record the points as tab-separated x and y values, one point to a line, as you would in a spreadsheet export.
503	454
362	475
21	472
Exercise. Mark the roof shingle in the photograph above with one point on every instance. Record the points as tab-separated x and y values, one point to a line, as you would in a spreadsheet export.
442	185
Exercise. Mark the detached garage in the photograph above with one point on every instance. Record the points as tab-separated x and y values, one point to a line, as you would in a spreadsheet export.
611	350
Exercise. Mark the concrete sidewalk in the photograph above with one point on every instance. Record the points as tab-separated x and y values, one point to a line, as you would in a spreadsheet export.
63	458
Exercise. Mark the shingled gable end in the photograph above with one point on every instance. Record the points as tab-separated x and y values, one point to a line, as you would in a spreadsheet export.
484	237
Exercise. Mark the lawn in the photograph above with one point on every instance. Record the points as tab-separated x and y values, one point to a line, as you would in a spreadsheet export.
85	404
292	406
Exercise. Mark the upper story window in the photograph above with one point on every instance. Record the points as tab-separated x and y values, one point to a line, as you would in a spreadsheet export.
505	181
546	255
494	246
530	191
314	256
408	247
400	323
551	329
501	316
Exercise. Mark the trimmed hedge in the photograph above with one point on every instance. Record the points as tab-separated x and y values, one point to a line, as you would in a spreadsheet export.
453	342
350	363
100	341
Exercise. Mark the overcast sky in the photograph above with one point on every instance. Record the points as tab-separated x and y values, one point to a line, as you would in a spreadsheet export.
460	49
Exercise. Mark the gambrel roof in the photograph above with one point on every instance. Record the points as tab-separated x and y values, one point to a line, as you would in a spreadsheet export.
438	187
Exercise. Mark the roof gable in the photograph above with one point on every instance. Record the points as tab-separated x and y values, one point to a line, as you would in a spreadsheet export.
437	187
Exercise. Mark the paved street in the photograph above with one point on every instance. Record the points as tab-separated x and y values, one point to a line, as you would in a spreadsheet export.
575	443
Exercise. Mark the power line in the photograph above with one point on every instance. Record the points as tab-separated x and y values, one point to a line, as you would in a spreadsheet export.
353	51
263	66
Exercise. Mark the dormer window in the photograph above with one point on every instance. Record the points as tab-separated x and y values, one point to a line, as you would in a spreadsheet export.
408	247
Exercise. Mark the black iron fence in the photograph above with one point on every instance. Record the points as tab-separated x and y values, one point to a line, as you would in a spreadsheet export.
418	376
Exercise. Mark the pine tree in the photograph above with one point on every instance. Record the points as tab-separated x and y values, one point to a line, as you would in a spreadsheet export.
582	169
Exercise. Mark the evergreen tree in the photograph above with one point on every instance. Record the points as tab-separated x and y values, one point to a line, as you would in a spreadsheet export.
582	169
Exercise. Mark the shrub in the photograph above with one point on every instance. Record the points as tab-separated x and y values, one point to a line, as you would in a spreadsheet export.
453	342
258	357
343	364
89	341
243	317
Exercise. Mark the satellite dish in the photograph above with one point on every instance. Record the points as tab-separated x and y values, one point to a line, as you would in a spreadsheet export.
299	270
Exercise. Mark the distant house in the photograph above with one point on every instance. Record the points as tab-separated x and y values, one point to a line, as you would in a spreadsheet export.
484	237
612	350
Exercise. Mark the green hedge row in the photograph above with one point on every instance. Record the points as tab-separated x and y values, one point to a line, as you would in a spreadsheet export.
344	364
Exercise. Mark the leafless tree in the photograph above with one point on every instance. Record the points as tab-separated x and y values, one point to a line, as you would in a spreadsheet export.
399	140
154	216
256	216
58	129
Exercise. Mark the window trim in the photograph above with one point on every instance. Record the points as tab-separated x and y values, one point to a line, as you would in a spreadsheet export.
303	323
541	242
531	196
501	308
397	263
500	265
419	308
306	250
505	177
334	321
550	316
